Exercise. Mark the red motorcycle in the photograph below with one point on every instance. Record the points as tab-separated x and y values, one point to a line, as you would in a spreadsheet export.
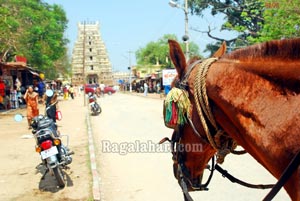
95	107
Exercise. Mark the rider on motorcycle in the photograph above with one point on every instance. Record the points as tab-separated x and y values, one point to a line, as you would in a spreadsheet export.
51	106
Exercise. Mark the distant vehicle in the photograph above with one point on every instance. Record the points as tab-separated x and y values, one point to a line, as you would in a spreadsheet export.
109	90
116	88
90	88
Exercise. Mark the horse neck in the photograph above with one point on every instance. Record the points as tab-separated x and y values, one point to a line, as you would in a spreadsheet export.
257	112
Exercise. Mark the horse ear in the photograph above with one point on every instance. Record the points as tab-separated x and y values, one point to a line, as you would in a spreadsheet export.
177	57
221	51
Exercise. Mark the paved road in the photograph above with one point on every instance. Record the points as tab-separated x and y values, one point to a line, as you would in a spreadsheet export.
133	167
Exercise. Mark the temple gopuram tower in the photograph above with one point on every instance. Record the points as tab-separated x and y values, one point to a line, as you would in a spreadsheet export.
90	60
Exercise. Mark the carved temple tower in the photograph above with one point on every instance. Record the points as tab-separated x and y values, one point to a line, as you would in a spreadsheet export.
90	58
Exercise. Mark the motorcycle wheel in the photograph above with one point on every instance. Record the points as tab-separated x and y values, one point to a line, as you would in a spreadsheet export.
94	111
97	109
59	176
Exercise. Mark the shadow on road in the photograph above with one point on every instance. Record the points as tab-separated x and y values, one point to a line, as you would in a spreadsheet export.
49	183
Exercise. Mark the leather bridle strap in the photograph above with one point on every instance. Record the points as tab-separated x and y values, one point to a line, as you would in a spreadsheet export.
236	180
183	179
211	169
183	185
284	177
183	83
291	168
195	130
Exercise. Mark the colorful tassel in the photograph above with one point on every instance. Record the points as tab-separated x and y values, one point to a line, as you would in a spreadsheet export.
177	106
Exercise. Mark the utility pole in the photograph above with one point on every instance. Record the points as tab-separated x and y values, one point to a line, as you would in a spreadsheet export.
186	36
83	64
130	68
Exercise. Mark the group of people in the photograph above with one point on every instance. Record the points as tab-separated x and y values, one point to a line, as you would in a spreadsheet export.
71	91
36	95
146	88
10	97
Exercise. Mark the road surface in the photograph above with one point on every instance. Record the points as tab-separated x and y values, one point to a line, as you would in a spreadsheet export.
132	166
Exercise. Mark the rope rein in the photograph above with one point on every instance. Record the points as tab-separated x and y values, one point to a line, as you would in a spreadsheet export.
199	94
204	111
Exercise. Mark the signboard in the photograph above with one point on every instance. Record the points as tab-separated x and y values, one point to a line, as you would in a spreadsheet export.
21	59
168	76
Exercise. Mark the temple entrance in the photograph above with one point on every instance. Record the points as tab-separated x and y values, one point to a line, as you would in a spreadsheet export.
93	79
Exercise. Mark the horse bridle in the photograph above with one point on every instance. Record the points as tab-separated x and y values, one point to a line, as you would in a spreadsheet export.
182	173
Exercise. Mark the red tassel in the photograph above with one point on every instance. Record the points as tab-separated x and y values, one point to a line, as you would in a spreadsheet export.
174	117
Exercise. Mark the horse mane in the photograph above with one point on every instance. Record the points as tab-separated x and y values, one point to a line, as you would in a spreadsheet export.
275	49
192	60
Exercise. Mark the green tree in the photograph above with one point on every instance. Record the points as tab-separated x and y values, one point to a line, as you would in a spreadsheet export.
253	20
245	17
35	30
281	20
158	52
10	25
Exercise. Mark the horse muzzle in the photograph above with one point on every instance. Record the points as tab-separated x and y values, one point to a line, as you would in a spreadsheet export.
182	174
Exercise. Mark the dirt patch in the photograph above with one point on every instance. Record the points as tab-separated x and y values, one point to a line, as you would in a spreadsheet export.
20	172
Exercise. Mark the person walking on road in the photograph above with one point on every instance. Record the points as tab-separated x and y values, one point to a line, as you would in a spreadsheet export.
31	99
158	88
71	91
41	90
102	86
145	89
66	93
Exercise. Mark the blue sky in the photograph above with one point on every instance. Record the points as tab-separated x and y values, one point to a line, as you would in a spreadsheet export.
130	25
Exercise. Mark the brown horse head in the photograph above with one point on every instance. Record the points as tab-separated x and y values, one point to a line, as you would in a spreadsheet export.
194	151
253	95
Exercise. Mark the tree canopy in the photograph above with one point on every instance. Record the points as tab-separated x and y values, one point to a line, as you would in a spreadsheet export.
34	29
158	52
254	21
281	20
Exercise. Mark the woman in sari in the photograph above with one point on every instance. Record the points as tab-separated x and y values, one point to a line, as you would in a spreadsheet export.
31	99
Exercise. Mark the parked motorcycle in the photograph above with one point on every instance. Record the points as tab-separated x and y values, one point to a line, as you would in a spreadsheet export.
54	154
95	107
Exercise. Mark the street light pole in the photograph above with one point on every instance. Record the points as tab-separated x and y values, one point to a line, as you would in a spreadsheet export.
185	38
